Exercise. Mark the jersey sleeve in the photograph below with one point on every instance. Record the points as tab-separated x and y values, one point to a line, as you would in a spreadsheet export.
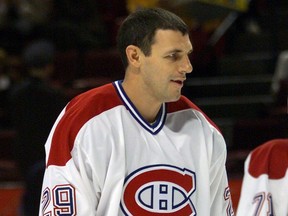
220	197
74	184
74	177
221	202
61	197
67	189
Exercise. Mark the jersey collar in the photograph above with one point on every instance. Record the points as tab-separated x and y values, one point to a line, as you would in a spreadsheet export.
152	128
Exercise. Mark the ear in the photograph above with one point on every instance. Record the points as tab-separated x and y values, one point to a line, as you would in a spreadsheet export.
133	54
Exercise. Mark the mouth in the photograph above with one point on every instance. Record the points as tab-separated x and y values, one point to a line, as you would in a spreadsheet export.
179	82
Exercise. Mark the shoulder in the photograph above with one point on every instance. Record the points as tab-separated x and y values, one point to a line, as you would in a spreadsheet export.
199	127
76	114
270	158
182	104
90	104
185	104
96	100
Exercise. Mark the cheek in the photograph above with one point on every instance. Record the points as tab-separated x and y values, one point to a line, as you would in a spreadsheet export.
156	71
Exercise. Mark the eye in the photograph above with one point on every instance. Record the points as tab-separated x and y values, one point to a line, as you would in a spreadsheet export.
173	56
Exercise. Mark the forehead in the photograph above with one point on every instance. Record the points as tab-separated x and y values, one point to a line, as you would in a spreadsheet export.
166	40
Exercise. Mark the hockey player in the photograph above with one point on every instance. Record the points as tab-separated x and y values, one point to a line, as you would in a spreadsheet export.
137	147
265	184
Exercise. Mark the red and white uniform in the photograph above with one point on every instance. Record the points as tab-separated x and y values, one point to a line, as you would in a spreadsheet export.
103	158
265	184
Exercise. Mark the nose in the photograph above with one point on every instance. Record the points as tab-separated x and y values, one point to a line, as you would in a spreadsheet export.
186	66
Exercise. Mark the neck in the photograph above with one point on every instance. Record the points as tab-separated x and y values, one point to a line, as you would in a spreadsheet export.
147	107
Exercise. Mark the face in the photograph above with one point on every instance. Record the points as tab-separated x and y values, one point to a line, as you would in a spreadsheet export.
164	71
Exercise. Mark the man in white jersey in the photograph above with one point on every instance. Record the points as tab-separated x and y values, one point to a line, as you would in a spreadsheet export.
136	146
265	184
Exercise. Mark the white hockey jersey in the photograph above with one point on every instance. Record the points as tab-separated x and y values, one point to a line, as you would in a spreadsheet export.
265	185
103	158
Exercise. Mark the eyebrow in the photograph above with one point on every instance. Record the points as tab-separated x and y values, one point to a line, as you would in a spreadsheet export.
178	51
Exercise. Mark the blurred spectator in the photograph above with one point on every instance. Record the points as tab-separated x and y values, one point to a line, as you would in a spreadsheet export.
77	25
35	104
4	78
23	15
11	74
4	86
280	80
15	69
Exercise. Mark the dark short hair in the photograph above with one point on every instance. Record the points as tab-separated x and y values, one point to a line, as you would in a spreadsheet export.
139	29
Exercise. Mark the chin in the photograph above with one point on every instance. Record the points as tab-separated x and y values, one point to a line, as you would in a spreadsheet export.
174	99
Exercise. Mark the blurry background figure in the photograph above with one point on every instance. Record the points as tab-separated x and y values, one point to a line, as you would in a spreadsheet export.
15	69
11	74
4	86
24	15
280	81
4	79
35	104
265	184
77	25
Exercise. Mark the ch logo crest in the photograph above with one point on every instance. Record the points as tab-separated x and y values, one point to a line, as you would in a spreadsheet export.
158	189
